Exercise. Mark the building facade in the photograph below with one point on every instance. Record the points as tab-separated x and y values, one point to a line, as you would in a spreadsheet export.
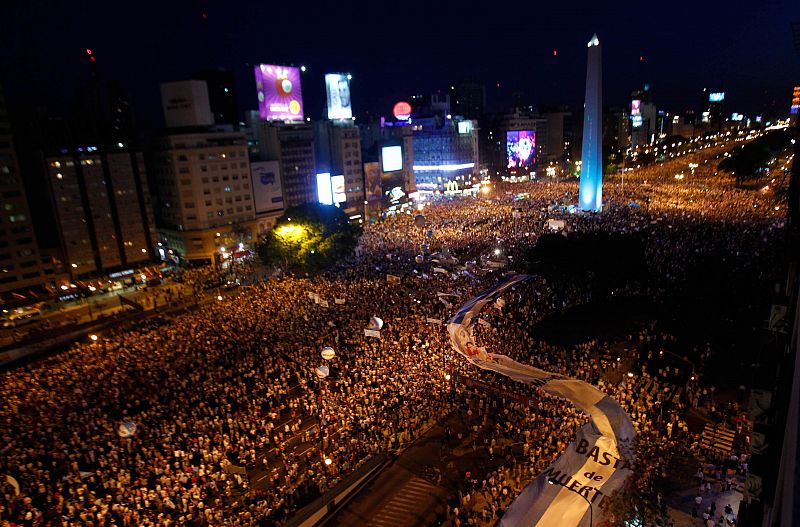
444	151
102	207
337	150
205	200
20	262
292	145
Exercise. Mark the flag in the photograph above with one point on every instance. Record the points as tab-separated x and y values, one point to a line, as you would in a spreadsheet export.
595	464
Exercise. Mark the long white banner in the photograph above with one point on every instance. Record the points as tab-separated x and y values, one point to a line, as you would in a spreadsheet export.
594	465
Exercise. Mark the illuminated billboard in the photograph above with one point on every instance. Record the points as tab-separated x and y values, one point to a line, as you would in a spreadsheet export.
280	97
520	148
324	190
392	158
465	127
266	185
402	111
795	101
337	186
716	96
636	107
337	86
372	178
636	121
330	190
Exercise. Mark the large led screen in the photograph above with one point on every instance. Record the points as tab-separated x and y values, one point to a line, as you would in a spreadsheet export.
392	157
521	148
337	186
337	86
716	96
324	190
280	97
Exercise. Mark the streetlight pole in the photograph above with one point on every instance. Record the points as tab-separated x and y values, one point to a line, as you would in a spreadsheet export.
553	481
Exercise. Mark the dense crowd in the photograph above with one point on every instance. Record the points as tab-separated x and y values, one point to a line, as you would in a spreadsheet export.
234	427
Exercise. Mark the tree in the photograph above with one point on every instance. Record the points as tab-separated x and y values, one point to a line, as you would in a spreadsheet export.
308	238
751	161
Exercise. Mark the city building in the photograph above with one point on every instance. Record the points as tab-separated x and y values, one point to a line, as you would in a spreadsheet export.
337	150
591	185
292	145
444	151
387	152
794	108
186	104
558	143
468	99
523	138
222	98
102	209
205	201
644	118
21	265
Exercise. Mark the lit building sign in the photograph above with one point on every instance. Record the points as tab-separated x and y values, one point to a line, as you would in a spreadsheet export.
636	107
337	187
520	148
716	96
324	189
795	109
464	127
402	111
636	121
392	158
337	86
280	97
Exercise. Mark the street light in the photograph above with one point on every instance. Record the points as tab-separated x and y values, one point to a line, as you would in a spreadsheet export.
553	481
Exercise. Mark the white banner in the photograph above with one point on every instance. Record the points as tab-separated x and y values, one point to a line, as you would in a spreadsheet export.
440	270
434	320
323	303
595	464
372	333
339	301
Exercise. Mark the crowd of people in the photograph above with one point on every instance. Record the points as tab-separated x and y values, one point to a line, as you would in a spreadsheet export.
233	425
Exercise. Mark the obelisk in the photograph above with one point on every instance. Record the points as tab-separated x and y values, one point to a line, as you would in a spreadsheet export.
591	189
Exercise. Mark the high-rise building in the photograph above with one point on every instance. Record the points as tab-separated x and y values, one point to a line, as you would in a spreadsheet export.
292	145
102	208
517	129
558	122
468	99
444	151
20	262
204	197
221	95
186	104
591	186
644	118
338	152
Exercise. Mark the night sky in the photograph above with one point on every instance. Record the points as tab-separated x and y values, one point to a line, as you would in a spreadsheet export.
395	49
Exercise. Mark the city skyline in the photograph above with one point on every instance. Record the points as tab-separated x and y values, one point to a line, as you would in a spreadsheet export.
394	52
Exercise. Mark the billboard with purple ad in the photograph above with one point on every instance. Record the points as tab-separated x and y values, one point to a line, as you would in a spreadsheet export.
520	148
280	97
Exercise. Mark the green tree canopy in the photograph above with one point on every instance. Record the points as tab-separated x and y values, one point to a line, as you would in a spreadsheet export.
309	237
751	160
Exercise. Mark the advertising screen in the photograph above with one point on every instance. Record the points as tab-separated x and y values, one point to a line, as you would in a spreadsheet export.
716	96
465	127
280	97
337	184
520	148
266	183
372	177
402	111
636	121
324	191
795	101
337	86
636	107
392	157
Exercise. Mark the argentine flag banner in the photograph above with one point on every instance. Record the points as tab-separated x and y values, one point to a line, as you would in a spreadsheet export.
594	465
